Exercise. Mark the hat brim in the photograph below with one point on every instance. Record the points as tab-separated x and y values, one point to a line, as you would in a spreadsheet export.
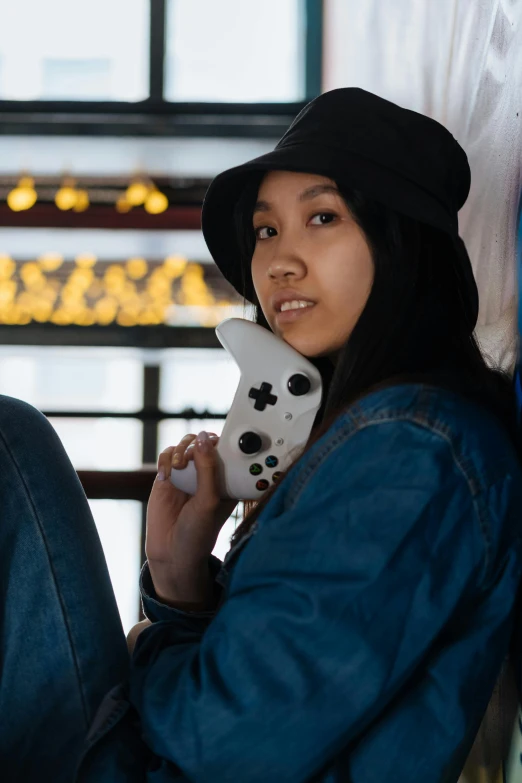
344	167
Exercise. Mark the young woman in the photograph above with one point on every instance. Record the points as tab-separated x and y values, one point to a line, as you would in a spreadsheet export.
360	620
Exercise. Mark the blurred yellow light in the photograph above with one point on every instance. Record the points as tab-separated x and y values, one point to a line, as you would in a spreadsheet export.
23	196
158	286
49	294
105	310
32	276
95	289
130	298
194	290
85	318
160	309
85	260
149	318
194	271
8	313
122	205
50	262
19	315
82	201
61	317
156	202
174	266
136	193
115	271
7	266
127	318
42	311
114	279
7	291
82	278
66	197
137	268
71	297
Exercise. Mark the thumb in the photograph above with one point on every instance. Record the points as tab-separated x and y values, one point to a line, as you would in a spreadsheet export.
206	462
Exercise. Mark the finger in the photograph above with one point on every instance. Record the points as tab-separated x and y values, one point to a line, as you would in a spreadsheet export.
164	461
189	453
179	460
205	459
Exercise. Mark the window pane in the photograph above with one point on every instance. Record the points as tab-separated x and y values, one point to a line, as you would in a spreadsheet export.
119	526
74	51
171	431
101	444
236	51
201	378
91	379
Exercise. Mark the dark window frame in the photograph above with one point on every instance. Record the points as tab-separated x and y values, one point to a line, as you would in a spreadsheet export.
157	117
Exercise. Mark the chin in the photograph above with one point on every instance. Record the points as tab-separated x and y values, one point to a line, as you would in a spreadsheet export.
310	347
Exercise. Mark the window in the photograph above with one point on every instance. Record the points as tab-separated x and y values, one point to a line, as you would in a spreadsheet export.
66	79
185	374
76	51
244	52
217	51
119	526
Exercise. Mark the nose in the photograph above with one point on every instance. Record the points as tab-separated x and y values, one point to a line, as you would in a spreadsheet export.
286	268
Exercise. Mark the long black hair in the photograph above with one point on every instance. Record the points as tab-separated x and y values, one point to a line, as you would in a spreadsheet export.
412	329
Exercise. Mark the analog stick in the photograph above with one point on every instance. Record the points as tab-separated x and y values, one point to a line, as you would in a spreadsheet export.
250	443
298	385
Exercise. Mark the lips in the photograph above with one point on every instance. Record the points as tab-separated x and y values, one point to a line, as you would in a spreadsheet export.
290	316
289	295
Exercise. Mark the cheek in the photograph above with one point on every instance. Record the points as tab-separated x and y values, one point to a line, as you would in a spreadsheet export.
347	283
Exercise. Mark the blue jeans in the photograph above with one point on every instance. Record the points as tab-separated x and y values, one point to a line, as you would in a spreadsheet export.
62	645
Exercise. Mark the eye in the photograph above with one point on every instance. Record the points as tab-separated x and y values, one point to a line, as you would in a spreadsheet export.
322	218
265	232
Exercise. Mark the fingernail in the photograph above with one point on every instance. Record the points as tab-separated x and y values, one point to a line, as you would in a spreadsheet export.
203	441
176	459
161	474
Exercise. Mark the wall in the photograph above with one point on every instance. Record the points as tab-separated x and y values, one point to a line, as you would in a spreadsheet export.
460	62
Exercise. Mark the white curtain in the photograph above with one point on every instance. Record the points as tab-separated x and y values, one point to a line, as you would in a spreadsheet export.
460	62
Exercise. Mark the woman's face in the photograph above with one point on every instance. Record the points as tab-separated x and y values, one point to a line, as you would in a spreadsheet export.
309	249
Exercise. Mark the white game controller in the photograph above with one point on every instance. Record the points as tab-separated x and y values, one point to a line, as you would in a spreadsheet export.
271	416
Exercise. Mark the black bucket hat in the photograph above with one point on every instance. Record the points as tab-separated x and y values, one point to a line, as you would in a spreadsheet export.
398	157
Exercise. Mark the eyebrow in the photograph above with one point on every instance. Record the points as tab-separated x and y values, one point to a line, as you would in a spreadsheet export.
306	195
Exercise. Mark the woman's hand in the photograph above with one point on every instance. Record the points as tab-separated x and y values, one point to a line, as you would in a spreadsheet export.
182	530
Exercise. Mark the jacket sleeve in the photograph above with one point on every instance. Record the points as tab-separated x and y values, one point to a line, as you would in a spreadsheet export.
155	611
331	608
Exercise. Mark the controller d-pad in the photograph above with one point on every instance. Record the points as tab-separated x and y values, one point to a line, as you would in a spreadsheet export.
262	396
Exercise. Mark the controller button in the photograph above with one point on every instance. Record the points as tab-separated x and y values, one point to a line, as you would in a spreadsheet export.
298	385
262	484
262	396
256	469
277	475
250	443
271	462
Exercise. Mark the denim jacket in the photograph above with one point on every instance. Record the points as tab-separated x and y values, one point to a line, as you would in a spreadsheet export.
363	620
